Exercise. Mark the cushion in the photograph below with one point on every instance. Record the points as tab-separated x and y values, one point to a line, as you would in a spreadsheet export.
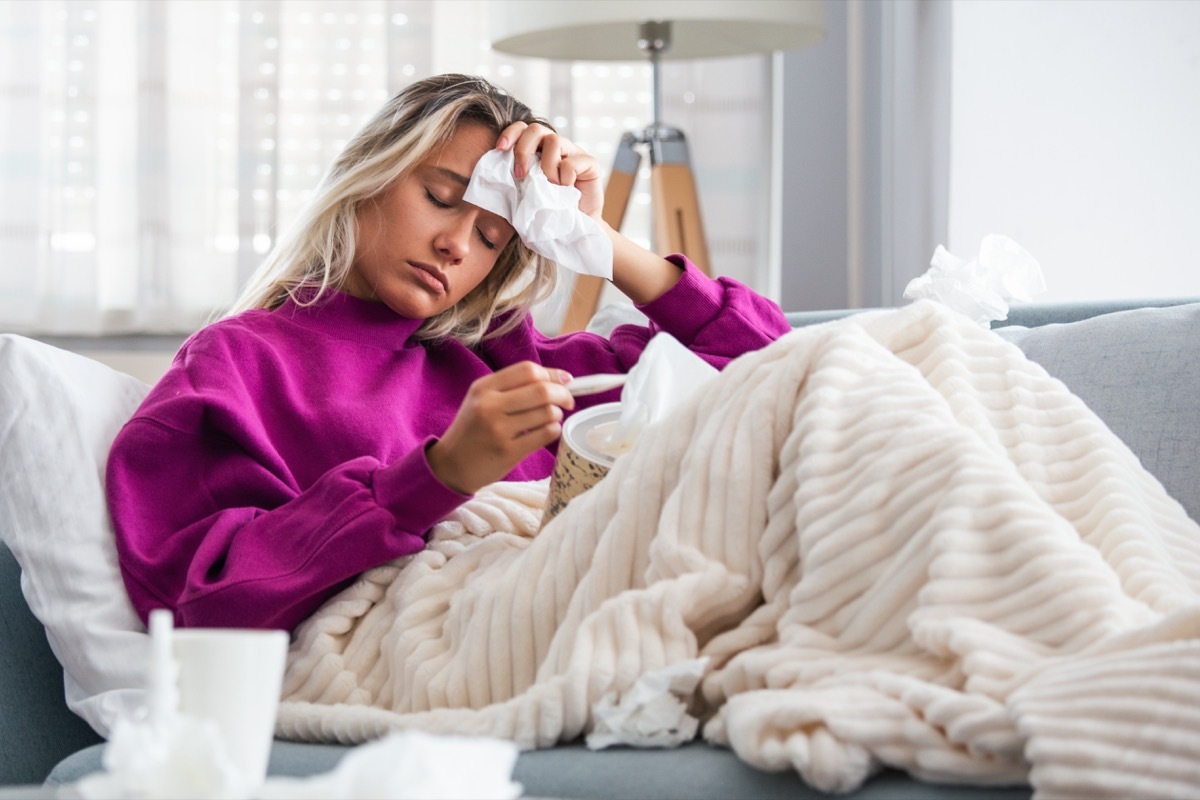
693	771
1140	371
59	413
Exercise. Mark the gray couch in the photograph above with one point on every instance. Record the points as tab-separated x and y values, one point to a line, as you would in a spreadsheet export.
1138	367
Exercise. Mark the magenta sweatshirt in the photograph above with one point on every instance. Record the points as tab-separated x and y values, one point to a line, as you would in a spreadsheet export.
282	454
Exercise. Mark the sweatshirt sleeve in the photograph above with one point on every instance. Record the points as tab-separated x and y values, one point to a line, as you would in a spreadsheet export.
213	521
719	319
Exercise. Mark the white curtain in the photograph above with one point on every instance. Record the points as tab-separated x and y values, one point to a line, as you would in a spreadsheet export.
150	151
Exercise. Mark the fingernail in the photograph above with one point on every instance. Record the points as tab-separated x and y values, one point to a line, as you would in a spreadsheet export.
501	143
564	376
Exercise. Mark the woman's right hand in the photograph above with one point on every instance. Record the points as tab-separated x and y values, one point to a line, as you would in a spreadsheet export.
504	417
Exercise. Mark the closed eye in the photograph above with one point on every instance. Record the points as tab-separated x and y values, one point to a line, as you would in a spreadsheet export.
482	237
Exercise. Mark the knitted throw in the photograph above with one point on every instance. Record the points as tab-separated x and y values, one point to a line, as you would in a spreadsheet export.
898	541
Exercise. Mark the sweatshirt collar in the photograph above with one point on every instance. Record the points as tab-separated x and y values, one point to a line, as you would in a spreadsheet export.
344	316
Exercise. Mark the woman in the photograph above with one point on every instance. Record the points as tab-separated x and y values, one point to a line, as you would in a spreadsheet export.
379	369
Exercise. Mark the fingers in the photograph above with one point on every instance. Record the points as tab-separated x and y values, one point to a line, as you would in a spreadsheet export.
504	417
509	135
533	141
518	399
563	162
525	372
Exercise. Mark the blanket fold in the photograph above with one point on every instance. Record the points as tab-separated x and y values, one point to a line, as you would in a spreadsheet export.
897	540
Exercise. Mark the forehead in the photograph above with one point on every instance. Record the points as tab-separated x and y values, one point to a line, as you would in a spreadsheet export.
463	150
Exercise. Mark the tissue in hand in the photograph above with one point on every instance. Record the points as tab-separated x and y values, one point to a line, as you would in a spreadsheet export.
981	287
546	216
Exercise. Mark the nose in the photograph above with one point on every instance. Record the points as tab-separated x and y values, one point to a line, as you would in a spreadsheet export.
453	240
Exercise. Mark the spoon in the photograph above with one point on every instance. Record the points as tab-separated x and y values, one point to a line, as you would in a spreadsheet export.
594	384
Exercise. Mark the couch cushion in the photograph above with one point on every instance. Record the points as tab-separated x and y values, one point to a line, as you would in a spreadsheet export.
695	771
1140	371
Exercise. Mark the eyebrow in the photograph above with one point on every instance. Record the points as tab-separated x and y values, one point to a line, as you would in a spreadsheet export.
452	175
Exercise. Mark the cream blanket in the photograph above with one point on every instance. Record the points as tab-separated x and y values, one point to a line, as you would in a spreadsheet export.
898	541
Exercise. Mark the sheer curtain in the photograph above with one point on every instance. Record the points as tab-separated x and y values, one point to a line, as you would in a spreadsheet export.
150	151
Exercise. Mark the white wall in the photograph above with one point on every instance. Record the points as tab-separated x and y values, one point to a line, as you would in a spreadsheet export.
1075	129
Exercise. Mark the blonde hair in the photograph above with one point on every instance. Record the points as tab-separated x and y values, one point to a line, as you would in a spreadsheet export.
318	251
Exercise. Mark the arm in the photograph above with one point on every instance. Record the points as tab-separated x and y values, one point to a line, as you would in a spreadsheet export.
644	277
718	319
641	276
219	519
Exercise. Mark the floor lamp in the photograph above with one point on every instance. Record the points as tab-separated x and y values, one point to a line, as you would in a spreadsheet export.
627	30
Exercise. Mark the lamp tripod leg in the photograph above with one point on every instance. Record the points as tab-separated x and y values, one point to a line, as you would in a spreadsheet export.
677	224
585	295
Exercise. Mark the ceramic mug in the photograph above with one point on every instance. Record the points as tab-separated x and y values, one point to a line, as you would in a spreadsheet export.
234	678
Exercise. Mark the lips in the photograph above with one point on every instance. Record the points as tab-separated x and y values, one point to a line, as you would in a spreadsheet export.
434	277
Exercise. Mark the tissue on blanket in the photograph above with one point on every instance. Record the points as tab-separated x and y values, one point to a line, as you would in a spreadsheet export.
546	216
665	375
411	764
982	286
651	714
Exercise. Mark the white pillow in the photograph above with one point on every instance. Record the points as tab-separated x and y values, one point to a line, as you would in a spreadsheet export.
59	413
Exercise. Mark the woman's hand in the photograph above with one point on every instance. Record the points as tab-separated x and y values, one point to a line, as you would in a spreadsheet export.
641	275
563	161
504	417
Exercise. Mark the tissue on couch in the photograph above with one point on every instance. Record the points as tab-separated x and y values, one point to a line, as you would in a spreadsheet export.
980	287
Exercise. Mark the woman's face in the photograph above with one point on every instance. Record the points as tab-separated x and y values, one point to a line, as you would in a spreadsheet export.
420	248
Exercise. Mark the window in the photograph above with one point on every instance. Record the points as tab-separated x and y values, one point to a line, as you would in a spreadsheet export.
150	151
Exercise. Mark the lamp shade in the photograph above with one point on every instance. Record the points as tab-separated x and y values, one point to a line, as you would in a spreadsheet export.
608	30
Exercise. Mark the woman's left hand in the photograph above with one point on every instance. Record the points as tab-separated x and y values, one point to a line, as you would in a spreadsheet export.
563	161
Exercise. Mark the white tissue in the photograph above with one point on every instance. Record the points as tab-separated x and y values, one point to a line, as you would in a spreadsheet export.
666	374
653	713
544	215
411	764
981	287
163	753
184	758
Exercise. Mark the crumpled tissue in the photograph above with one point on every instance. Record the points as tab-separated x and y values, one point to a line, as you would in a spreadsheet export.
164	754
665	375
981	287
546	216
411	764
161	752
653	712
183	759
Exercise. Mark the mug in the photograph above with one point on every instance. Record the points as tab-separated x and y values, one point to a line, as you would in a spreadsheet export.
234	677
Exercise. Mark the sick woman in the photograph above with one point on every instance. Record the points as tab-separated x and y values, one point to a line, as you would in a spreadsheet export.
380	368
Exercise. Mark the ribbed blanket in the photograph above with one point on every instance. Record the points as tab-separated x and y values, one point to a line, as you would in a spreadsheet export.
897	540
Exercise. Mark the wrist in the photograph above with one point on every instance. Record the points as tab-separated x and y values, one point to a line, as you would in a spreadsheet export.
442	465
